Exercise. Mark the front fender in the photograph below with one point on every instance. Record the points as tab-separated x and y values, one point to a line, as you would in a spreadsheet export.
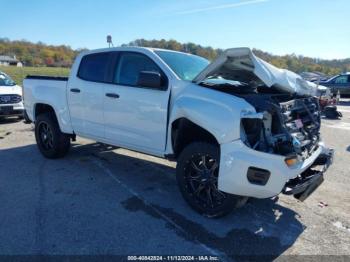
218	113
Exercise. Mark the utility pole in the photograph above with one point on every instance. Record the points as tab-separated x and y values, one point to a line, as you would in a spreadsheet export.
109	41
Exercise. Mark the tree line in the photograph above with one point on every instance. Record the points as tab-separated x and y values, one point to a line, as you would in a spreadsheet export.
40	54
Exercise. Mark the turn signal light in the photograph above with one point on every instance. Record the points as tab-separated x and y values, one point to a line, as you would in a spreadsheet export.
291	161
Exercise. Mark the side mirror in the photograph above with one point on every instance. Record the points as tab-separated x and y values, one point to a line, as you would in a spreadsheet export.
150	79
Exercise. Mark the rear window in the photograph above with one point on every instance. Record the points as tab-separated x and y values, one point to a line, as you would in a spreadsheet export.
94	67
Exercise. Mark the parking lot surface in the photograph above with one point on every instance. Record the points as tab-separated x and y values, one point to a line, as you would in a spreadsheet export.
103	200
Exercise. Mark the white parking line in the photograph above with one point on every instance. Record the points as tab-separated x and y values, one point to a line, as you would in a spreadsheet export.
343	110
341	125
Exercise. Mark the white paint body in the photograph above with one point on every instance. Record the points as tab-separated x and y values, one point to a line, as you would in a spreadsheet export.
12	90
141	120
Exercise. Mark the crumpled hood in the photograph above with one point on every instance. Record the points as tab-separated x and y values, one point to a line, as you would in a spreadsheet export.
241	64
11	90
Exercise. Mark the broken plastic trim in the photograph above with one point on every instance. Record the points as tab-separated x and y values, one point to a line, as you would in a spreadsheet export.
304	185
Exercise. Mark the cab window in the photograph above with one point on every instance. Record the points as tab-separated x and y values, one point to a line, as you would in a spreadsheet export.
94	67
129	67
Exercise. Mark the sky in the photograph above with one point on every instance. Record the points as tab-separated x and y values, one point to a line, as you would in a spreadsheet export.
315	28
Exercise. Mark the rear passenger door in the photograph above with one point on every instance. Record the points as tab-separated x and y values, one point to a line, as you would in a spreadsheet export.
136	116
86	94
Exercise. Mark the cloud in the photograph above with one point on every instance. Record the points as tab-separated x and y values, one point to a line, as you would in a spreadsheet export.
217	7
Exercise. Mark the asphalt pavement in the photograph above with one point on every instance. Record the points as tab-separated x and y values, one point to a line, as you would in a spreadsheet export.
103	200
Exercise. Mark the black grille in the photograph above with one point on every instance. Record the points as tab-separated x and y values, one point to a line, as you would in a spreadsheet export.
10	99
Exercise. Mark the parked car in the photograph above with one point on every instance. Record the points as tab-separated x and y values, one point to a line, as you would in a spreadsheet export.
339	83
313	76
238	127
11	102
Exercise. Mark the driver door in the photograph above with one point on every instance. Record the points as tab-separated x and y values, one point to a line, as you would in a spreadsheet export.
136	116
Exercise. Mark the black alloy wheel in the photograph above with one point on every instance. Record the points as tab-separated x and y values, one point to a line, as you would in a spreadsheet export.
197	174
46	136
51	142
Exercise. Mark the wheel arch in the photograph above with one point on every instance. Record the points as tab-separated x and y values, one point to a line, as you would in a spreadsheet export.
42	107
185	131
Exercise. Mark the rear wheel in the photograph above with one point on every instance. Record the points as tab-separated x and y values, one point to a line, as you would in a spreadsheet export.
51	142
197	176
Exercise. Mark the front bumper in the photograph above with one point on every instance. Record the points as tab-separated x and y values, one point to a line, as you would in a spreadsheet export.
305	184
237	159
12	109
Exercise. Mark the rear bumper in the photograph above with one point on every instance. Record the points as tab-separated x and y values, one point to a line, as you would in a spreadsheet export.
237	160
304	185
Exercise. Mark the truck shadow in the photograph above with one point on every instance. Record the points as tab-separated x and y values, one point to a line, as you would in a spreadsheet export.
261	230
9	120
261	227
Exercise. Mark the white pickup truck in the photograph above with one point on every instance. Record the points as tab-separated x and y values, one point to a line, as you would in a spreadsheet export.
238	127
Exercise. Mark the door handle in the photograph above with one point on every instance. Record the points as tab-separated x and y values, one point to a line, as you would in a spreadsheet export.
112	95
75	90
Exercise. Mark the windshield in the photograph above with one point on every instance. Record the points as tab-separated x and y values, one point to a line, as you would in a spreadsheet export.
5	80
185	66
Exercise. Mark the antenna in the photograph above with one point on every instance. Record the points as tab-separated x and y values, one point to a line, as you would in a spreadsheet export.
109	41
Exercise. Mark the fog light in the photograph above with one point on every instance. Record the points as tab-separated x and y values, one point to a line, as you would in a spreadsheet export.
291	161
258	176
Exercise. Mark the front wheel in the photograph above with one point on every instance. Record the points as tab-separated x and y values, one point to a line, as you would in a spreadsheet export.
197	176
51	142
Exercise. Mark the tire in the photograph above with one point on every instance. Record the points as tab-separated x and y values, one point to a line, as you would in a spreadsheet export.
51	142
197	175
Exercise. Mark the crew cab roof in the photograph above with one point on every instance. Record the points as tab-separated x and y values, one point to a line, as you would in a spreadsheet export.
126	48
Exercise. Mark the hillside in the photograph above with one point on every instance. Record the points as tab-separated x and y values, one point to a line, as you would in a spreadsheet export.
292	62
40	54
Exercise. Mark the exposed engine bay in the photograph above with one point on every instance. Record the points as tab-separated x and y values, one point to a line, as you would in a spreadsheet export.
285	124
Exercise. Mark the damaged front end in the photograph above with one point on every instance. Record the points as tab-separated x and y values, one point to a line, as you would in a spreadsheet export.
288	128
307	182
291	129
282	148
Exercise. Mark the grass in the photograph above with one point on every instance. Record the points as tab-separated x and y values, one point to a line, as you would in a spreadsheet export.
19	73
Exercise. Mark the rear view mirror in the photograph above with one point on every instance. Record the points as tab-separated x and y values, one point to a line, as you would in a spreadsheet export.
150	79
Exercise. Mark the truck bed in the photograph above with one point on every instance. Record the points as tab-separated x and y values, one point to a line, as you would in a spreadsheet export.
49	90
